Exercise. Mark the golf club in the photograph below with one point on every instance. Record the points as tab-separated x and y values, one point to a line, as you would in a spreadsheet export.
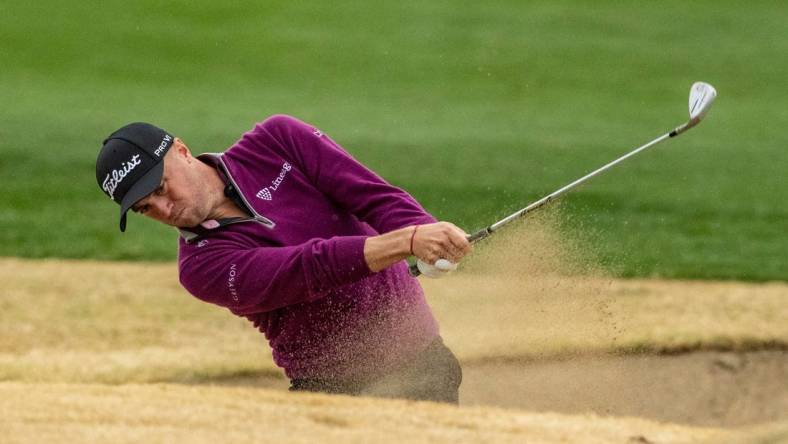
701	97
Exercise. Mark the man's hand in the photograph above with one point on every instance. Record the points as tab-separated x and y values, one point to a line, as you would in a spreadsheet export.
442	240
429	243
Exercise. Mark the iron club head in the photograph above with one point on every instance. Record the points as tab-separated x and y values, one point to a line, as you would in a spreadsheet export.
701	97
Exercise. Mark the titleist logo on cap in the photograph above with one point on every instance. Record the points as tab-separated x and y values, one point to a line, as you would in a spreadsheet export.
115	177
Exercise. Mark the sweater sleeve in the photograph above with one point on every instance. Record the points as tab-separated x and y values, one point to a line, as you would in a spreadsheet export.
341	177
252	280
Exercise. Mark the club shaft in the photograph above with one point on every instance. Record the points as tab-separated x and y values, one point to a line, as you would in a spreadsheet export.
484	232
481	234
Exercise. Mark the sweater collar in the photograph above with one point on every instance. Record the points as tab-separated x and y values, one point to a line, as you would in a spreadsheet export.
190	234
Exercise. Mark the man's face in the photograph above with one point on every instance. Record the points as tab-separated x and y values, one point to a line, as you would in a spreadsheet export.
181	200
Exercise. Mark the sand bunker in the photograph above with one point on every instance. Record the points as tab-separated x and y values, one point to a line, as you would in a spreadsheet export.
166	413
712	389
701	388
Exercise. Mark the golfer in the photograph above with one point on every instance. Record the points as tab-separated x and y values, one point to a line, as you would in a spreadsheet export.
286	229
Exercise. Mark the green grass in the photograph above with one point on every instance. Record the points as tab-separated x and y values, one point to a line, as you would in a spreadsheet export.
475	109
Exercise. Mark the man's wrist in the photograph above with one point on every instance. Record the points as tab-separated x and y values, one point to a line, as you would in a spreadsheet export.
401	242
413	238
387	249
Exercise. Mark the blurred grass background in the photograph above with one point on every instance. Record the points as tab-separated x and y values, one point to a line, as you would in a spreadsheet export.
476	109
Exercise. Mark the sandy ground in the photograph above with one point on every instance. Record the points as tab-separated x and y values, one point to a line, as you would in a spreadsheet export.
198	414
702	388
714	389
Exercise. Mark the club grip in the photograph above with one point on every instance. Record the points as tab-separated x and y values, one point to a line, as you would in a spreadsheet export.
479	235
475	237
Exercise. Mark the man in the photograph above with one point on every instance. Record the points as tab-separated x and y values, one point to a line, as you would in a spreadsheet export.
286	229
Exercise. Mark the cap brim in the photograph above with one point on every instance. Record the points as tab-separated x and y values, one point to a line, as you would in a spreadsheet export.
144	186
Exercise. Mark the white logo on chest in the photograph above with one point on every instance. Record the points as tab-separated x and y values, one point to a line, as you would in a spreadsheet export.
267	193
264	194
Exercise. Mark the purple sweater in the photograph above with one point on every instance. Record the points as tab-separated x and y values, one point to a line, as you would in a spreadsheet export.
297	269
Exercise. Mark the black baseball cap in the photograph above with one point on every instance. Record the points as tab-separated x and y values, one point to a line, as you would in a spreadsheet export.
129	165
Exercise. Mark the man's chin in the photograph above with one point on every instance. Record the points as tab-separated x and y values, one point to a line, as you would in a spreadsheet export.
187	222
184	220
183	224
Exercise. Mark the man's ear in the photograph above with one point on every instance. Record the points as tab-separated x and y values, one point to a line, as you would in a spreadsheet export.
181	149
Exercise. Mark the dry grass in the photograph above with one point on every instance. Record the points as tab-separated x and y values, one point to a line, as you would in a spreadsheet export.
162	413
544	316
118	322
110	322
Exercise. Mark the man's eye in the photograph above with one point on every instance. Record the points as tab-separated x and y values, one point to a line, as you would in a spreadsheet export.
142	209
159	191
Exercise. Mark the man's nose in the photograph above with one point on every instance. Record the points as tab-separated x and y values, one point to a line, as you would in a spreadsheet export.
160	205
